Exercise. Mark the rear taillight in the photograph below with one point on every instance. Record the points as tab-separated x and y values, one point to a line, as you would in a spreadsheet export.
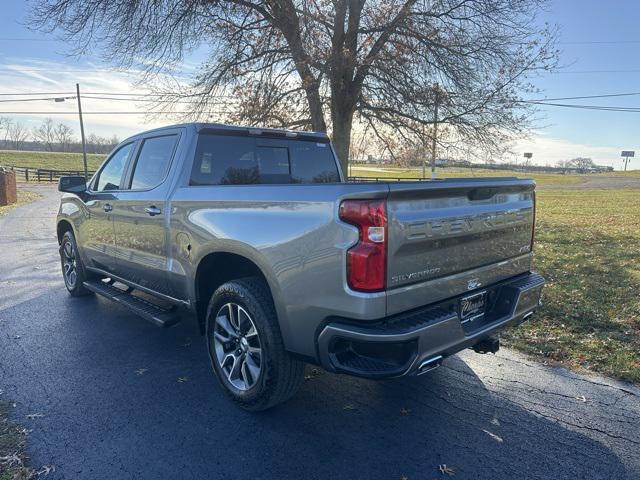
367	260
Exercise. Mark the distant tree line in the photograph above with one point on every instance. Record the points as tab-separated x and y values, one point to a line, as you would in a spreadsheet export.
50	136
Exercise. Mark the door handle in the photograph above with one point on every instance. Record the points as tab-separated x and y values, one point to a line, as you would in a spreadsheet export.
153	210
107	207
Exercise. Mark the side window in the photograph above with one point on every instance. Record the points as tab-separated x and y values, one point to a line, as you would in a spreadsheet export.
111	174
153	162
225	160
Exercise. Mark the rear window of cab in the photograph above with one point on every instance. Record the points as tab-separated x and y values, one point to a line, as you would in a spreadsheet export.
242	160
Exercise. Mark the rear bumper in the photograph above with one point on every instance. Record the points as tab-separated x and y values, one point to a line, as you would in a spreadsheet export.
416	341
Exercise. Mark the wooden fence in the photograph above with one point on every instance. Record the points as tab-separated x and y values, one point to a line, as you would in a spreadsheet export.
27	174
388	179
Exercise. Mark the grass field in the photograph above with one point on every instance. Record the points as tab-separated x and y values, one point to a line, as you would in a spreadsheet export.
588	249
393	172
49	160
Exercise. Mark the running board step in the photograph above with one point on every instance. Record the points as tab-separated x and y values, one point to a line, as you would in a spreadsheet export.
157	315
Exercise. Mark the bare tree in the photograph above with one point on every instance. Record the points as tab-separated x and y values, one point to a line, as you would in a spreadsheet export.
326	65
581	164
46	133
17	135
5	123
98	144
64	136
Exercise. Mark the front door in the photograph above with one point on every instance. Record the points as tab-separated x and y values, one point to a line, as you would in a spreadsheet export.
96	232
139	215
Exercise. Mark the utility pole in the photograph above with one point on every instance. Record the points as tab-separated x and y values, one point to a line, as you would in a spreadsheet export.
435	133
84	144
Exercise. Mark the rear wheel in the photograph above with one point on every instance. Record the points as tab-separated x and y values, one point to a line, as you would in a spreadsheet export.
73	270
245	346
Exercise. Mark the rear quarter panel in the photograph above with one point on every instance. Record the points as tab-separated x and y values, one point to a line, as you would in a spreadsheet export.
292	233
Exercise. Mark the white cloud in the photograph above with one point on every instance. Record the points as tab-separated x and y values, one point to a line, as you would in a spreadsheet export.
38	76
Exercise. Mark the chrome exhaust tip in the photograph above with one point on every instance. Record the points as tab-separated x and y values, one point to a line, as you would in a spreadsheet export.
430	364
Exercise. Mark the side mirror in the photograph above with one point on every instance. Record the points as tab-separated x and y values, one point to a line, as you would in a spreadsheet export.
72	184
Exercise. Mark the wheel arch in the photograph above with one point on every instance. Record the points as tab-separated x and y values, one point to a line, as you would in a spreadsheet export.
62	227
217	268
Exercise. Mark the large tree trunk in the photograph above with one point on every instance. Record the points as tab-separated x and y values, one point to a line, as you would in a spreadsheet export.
342	123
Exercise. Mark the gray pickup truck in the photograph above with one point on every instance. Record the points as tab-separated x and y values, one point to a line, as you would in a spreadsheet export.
257	236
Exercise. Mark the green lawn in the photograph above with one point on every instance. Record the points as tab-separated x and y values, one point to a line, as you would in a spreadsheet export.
588	249
395	172
49	160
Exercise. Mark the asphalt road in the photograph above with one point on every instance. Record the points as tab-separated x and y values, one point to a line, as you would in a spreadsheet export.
107	386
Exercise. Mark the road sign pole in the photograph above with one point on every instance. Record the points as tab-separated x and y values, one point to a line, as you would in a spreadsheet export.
626	156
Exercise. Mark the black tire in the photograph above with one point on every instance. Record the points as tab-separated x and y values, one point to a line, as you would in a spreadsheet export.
69	257
280	374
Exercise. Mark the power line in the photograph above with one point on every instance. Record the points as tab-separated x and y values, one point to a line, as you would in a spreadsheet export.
13	100
585	97
17	39
590	107
594	71
111	113
36	93
600	42
121	99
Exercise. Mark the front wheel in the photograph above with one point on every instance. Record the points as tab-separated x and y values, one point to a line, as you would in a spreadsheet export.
73	270
245	346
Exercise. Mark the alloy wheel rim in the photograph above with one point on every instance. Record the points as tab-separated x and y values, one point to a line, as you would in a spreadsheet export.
69	265
237	346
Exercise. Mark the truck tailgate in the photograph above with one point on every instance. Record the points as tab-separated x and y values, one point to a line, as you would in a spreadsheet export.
441	228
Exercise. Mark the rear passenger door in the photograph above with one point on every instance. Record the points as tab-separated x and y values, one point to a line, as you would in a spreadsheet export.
139	216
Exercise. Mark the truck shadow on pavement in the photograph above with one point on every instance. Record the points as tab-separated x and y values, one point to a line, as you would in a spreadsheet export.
124	399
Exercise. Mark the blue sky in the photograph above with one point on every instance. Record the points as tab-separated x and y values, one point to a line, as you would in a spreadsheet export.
598	40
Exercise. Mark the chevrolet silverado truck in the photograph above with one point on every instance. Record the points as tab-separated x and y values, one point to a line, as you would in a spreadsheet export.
256	235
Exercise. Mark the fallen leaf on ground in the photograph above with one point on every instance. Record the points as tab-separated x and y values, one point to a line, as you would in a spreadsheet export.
444	470
46	470
11	460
